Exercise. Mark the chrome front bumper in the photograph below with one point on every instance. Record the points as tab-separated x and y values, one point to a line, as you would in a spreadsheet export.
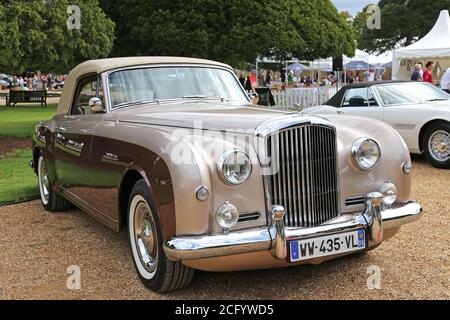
374	219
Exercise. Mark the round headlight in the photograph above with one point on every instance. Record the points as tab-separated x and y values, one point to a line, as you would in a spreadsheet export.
234	167
366	153
389	192
227	216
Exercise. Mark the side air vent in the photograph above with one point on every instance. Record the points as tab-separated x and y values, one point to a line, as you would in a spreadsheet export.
248	216
355	201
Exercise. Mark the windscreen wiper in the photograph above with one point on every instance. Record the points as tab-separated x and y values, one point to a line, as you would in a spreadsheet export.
437	99
136	103
199	96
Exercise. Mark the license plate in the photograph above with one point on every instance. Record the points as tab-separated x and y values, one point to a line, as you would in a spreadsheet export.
327	246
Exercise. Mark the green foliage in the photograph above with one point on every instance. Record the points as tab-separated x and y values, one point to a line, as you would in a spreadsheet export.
234	31
36	36
17	180
401	22
19	121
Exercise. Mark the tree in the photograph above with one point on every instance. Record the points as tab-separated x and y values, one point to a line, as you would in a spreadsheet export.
402	22
233	31
35	35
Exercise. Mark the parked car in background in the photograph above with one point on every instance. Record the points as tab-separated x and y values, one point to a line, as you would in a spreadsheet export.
57	85
419	111
174	150
5	81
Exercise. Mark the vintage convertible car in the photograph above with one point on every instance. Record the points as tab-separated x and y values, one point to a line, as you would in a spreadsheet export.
173	149
419	111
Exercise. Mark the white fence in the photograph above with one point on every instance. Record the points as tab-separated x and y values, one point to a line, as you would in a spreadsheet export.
305	97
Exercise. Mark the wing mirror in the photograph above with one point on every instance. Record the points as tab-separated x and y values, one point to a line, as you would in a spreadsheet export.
96	105
254	97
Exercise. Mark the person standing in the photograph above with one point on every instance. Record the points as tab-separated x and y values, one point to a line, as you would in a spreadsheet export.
416	76
367	75
427	75
283	77
268	77
248	84
445	81
421	70
261	78
242	79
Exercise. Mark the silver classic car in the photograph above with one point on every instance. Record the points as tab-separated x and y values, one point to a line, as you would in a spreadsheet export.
174	150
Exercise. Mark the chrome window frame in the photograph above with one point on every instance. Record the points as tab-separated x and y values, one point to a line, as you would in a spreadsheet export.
106	74
375	94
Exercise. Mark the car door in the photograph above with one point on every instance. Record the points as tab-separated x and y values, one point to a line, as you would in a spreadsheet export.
361	102
73	141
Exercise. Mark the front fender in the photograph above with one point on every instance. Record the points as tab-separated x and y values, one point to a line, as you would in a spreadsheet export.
394	153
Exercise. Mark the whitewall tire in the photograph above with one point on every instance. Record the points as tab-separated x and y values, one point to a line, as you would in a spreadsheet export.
154	269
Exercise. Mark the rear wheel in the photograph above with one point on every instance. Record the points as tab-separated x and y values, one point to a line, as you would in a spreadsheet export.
49	199
155	270
436	145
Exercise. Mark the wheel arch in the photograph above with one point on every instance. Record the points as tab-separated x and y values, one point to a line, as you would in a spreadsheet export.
159	182
425	128
36	153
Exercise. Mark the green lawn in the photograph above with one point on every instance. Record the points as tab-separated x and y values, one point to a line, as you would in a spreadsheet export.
17	180
19	121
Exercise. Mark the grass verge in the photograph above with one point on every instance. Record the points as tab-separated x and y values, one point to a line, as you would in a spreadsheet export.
19	121
17	180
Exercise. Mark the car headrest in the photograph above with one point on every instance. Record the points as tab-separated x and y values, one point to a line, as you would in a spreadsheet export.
357	101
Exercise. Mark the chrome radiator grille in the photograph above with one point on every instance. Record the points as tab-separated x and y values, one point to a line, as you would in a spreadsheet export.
306	182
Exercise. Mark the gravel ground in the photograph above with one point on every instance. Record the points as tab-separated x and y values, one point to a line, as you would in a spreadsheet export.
36	249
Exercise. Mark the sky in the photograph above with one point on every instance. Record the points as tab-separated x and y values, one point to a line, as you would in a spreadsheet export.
352	6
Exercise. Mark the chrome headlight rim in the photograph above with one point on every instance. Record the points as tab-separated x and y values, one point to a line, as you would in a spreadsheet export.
223	162
356	148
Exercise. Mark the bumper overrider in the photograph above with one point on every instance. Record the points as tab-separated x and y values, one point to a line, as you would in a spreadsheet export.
374	219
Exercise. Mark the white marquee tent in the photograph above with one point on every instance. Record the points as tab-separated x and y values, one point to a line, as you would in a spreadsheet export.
435	46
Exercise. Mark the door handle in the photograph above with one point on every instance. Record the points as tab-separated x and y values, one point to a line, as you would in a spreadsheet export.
340	112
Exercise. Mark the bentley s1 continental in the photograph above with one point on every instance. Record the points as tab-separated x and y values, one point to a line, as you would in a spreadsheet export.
174	150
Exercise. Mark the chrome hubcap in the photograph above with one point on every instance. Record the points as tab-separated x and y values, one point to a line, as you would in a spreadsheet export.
145	236
44	181
439	145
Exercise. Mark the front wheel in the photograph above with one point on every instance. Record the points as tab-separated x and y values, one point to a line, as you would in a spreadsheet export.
49	199
436	145
155	270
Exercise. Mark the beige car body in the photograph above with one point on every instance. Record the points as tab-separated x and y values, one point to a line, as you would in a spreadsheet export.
160	131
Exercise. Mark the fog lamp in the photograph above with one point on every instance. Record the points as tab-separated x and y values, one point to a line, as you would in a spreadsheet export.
227	216
389	192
